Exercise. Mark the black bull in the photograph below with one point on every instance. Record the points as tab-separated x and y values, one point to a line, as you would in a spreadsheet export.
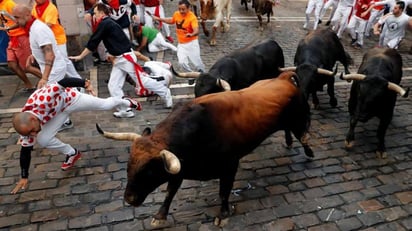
193	142
239	69
315	58
374	92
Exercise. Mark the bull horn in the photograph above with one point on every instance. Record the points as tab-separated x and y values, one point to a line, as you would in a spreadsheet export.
118	136
224	84
325	72
282	69
192	74
172	163
398	89
354	76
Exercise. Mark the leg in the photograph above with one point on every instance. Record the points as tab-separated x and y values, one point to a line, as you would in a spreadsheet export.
205	30
71	70
161	216
194	55
226	185
331	92
12	61
383	126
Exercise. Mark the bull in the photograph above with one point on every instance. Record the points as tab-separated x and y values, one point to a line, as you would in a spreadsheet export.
215	9
315	58
239	69
194	142
374	92
263	7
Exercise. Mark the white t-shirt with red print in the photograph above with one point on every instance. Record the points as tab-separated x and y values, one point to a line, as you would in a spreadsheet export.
47	102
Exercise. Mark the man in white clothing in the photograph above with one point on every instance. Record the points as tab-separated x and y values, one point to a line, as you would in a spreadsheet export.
316	6
394	27
341	16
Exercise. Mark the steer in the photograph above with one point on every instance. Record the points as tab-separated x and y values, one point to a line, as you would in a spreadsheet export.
263	7
239	69
215	9
315	58
374	93
194	142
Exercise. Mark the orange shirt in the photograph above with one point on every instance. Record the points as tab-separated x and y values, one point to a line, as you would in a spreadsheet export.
7	5
185	25
51	17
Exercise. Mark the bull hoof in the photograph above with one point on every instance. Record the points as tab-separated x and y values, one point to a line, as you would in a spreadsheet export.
227	28
348	144
261	28
155	223
381	155
212	42
221	222
207	33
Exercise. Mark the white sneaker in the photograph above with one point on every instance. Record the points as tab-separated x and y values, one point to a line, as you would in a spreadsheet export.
168	100
305	26
123	114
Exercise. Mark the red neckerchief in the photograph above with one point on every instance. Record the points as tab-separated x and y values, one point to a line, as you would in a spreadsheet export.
96	23
115	4
28	24
41	8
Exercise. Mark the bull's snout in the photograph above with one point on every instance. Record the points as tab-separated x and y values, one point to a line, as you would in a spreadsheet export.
132	199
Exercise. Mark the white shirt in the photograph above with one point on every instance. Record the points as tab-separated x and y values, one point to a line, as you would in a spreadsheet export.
40	35
395	26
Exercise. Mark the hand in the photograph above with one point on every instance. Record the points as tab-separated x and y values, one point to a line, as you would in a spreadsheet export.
75	58
89	88
42	82
22	184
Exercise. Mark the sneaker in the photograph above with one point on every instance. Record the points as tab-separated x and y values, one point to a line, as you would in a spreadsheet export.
305	26
133	103
168	100
169	39
327	23
66	125
123	114
320	21
70	160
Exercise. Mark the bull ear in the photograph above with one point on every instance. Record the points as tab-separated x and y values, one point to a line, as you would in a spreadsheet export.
171	162
398	89
223	84
147	131
282	69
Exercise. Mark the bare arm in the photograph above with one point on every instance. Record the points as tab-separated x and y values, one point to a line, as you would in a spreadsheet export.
48	64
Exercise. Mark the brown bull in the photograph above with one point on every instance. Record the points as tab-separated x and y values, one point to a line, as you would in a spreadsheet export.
204	139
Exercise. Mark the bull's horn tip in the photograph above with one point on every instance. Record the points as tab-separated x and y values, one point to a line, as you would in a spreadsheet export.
99	129
406	93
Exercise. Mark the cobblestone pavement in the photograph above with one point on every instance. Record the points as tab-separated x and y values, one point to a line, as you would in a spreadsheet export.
277	188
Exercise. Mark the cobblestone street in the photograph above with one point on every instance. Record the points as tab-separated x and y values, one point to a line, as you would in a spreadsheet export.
275	189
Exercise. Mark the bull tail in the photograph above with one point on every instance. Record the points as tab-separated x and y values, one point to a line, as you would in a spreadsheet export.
118	136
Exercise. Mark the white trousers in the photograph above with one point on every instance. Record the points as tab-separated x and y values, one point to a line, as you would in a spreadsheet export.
190	52
340	19
149	21
328	4
374	17
160	44
314	5
71	70
47	136
357	26
121	67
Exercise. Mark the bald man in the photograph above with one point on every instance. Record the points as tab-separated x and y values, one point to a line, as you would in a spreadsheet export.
47	109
